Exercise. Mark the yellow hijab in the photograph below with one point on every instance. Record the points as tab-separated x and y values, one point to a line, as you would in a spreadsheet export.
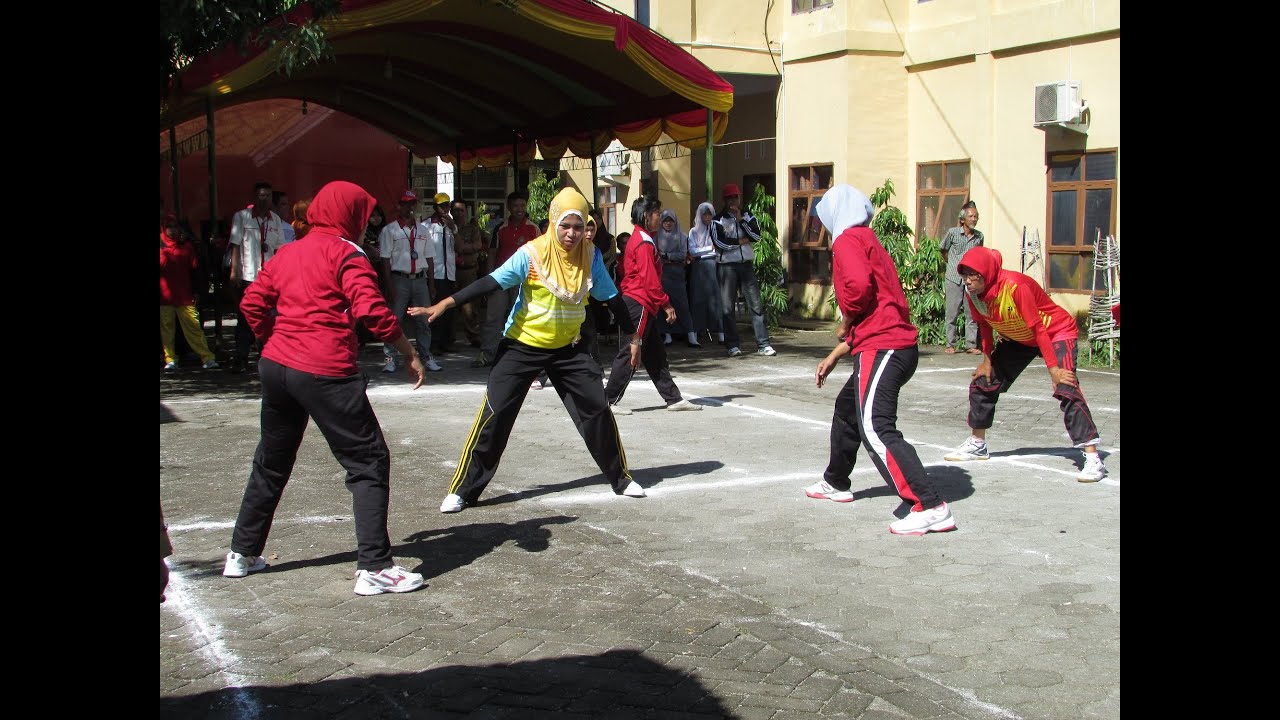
567	274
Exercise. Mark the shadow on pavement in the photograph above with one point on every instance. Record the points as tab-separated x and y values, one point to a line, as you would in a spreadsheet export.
450	548
614	684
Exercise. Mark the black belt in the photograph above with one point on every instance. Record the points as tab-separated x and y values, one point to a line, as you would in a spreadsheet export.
411	276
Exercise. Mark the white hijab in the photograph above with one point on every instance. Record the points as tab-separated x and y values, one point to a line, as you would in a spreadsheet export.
700	233
843	207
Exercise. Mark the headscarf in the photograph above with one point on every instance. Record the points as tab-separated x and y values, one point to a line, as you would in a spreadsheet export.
986	262
674	244
843	207
567	274
700	234
300	224
341	209
164	236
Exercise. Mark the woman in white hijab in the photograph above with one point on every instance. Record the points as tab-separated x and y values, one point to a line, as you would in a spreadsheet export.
876	329
673	250
705	314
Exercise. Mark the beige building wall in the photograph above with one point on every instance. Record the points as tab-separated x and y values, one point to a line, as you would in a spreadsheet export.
876	87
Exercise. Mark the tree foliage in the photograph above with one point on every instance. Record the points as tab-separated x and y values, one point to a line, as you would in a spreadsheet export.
190	28
768	260
542	189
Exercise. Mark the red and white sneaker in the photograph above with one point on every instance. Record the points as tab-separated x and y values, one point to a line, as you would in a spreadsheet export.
394	579
938	519
822	490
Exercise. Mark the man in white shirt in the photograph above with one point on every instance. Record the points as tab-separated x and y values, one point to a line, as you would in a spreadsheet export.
256	234
406	253
280	205
443	232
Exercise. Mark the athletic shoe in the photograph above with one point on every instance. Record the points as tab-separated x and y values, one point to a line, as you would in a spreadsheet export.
171	367
394	579
734	352
972	449
682	406
822	490
452	503
693	340
390	366
1093	470
432	365
768	351
211	365
240	565
666	338
926	521
634	490
536	384
619	410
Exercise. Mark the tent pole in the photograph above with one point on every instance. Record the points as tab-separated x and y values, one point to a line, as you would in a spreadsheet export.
595	180
173	170
214	231
515	160
708	149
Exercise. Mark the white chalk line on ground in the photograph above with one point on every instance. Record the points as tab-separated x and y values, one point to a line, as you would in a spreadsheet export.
178	598
199	524
1012	459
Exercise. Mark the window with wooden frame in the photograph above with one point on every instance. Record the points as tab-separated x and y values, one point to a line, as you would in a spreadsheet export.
941	188
609	207
799	6
808	243
1082	205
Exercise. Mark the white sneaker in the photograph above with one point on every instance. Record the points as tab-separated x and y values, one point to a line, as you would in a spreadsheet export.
735	352
170	366
240	565
634	490
211	365
452	503
822	490
972	449
394	579
693	340
536	384
1093	470
390	366
926	521
666	338
432	365
683	405
619	410
768	351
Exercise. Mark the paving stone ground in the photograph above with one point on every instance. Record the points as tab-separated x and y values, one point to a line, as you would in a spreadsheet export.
725	593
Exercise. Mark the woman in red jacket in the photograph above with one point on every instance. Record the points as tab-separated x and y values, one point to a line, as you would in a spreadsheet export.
642	291
1030	326
319	287
177	262
876	329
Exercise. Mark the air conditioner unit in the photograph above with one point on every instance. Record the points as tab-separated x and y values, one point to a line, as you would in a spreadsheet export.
1059	103
614	161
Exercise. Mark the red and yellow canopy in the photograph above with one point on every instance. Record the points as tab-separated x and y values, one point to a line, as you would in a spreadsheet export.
482	75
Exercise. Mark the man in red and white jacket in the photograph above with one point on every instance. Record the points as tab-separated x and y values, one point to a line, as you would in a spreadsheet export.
319	288
642	291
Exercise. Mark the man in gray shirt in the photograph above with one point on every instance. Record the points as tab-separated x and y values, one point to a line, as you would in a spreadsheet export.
954	245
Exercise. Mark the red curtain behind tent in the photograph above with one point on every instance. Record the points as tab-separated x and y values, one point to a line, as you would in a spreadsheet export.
338	147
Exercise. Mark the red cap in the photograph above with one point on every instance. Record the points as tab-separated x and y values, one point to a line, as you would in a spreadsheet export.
408	196
730	189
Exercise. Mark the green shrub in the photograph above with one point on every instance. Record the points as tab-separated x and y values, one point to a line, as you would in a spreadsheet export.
768	261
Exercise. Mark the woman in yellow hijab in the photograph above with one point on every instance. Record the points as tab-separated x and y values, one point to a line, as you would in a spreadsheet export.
555	272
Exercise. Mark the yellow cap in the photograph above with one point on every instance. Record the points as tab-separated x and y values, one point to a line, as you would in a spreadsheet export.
442	199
